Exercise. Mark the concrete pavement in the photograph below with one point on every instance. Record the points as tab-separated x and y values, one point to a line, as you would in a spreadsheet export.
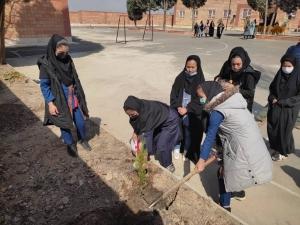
147	69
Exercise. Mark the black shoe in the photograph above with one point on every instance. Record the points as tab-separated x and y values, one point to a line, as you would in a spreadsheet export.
85	145
238	195
72	150
227	208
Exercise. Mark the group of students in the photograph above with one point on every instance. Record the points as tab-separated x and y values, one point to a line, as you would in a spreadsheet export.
208	29
220	108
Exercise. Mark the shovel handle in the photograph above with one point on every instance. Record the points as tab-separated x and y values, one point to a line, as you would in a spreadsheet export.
181	182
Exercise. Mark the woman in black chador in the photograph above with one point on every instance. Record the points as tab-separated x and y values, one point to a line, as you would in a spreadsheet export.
156	124
64	96
211	29
183	99
238	71
284	105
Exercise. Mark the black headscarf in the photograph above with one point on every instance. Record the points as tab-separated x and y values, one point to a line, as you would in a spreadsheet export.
226	71
186	81
211	89
62	66
151	114
286	85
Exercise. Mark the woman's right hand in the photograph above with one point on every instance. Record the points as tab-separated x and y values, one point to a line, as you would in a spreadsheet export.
53	109
134	137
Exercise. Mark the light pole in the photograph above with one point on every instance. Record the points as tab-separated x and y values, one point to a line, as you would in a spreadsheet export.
266	17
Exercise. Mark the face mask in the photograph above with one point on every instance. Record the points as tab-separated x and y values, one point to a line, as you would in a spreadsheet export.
191	73
62	55
202	101
287	70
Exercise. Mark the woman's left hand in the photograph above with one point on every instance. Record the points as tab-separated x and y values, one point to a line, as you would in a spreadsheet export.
200	165
182	111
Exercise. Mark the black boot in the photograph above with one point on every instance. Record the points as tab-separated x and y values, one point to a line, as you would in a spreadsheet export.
72	150
85	145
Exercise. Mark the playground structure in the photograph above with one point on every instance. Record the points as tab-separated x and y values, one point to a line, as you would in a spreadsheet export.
122	20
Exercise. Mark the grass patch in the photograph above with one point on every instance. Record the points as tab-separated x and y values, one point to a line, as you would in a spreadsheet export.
12	76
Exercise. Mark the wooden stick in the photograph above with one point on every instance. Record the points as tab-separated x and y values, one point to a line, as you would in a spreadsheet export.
181	182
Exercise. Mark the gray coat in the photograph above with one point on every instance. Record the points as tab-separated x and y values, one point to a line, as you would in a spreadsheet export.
247	161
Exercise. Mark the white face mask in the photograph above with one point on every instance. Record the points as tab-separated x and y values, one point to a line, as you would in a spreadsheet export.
191	73
287	70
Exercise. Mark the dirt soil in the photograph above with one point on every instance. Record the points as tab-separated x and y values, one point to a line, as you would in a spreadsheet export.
41	184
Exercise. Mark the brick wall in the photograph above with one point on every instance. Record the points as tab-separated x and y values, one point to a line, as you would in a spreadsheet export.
111	18
36	20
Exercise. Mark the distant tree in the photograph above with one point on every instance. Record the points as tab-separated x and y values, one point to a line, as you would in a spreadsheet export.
166	5
134	10
193	5
289	6
258	5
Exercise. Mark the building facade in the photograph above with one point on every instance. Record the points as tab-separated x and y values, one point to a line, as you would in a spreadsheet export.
34	22
232	12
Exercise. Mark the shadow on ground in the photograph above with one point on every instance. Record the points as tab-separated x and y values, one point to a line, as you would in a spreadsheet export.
78	48
41	184
293	173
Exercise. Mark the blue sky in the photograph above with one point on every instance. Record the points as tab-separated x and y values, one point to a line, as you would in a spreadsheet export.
98	5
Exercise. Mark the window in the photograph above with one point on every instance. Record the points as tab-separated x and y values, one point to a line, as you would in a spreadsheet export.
211	13
181	14
246	13
227	13
195	13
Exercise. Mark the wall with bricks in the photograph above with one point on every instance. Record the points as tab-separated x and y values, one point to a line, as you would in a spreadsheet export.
216	9
112	18
27	23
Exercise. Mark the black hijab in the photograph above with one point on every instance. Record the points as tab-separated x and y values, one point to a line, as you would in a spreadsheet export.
227	73
151	114
211	89
186	81
286	85
62	66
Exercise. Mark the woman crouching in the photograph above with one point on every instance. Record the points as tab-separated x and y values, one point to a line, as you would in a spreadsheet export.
156	124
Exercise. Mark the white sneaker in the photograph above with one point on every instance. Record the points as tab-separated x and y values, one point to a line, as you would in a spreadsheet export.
184	158
278	157
177	152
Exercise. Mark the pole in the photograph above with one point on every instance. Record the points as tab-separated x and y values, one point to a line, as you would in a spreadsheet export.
152	30
118	29
229	12
165	15
266	17
125	30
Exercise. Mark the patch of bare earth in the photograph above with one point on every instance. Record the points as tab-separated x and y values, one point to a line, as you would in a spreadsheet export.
41	184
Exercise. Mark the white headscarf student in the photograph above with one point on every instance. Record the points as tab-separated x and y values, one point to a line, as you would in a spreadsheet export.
247	161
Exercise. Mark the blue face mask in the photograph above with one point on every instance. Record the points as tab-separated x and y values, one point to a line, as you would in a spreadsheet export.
202	101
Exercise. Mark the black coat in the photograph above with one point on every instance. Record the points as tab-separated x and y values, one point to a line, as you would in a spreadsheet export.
282	115
247	79
195	112
64	119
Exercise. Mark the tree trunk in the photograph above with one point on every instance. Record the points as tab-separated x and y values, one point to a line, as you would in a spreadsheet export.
134	23
165	15
274	16
2	34
193	18
149	19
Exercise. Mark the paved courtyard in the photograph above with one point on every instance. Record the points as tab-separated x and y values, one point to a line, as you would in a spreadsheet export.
110	72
